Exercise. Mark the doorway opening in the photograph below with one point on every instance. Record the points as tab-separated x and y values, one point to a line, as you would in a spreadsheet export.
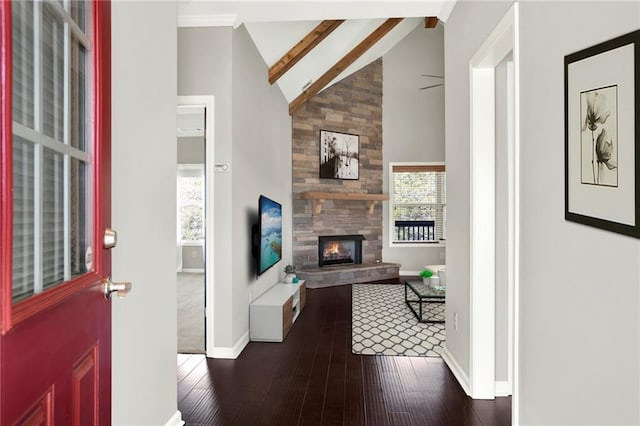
194	214
190	244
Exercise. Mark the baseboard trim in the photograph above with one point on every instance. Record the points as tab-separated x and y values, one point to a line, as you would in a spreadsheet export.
503	388
457	371
175	420
231	353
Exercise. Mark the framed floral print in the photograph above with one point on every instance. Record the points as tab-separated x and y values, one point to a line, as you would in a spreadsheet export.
602	143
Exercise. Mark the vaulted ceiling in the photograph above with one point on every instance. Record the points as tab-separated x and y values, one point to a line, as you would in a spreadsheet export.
310	45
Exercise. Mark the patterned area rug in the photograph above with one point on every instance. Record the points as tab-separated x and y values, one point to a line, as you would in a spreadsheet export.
382	324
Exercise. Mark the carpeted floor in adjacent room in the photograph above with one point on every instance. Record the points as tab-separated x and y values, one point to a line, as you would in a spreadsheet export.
190	313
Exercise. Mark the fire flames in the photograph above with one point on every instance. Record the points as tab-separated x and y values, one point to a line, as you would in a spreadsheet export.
333	250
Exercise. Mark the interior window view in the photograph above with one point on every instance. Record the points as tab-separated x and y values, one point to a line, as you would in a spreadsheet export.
354	213
418	203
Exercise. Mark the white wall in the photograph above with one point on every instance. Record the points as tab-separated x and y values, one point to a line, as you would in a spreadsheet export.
191	150
579	286
200	74
468	26
412	124
143	211
253	134
262	165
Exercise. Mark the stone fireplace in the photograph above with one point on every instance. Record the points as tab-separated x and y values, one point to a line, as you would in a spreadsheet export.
353	106
340	250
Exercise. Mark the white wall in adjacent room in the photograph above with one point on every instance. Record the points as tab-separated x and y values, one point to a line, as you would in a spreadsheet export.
210	75
262	165
253	135
468	26
412	124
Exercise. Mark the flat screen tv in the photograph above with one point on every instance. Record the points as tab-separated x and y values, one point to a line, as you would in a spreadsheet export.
269	235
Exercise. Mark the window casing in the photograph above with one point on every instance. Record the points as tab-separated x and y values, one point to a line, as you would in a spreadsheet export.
417	204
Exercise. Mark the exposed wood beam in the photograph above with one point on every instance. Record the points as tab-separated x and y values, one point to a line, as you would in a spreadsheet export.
304	46
343	63
431	22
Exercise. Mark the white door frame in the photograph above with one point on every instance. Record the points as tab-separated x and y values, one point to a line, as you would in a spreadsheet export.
208	103
501	41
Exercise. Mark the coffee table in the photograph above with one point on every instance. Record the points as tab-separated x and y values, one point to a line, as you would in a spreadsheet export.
422	295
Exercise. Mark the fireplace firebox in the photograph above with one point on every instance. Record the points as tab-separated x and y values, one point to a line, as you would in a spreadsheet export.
339	250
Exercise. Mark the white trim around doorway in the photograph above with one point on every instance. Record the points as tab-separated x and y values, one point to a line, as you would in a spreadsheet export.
482	383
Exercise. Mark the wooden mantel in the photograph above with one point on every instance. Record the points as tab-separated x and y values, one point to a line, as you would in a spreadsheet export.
319	197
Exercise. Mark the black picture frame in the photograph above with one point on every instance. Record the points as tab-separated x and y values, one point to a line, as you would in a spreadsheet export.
602	141
339	155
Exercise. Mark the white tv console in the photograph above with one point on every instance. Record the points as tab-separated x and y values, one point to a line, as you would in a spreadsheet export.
272	315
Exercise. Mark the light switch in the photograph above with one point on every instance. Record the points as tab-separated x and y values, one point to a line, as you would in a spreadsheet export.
223	167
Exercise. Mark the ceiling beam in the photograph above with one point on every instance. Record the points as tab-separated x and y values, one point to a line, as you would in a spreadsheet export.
343	63
304	46
431	22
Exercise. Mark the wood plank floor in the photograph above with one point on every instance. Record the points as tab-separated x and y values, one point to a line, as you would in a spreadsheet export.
312	378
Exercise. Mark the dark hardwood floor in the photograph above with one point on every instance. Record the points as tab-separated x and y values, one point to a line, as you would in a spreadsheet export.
312	378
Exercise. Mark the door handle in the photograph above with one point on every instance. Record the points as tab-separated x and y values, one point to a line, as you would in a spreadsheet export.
110	238
121	288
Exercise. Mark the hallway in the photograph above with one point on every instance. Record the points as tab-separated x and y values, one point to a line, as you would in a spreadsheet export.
313	378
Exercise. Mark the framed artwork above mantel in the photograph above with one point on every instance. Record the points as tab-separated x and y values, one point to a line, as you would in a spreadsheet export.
602	141
339	155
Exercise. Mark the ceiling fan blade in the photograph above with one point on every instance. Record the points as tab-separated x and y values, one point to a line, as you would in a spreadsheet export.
432	86
432	75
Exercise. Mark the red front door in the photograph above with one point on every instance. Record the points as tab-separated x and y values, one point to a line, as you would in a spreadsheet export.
55	322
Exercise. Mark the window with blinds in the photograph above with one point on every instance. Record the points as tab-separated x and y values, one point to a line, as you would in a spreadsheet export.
52	158
190	190
418	203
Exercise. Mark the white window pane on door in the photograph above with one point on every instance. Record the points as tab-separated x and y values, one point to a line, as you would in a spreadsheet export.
52	218
53	183
80	225
23	219
23	63
52	73
79	14
79	105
